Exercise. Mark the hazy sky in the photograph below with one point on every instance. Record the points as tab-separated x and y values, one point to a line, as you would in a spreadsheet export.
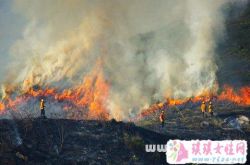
11	28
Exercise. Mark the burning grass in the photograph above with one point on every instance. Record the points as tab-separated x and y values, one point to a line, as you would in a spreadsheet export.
84	101
228	95
89	100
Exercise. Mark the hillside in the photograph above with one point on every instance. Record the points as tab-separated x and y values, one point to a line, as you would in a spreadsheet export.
55	141
233	50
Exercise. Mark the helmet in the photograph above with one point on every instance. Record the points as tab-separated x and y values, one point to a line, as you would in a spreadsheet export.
162	111
210	102
42	100
203	102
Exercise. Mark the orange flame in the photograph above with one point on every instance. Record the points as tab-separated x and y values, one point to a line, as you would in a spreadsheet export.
241	98
92	93
40	92
90	96
2	107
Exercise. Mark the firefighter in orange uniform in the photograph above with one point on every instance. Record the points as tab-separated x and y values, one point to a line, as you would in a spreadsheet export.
42	108
162	118
210	108
203	108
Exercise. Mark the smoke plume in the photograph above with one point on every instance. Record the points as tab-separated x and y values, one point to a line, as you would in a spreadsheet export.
147	50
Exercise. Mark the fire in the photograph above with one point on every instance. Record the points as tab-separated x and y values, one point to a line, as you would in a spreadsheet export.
92	93
90	96
40	92
2	107
240	98
97	106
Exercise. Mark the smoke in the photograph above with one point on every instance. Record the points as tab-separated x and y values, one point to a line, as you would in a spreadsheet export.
148	49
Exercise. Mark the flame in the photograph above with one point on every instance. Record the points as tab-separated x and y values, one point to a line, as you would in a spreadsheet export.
240	98
2	107
40	92
92	94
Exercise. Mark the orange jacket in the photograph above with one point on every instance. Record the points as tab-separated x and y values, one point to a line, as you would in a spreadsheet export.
210	108
42	105
203	107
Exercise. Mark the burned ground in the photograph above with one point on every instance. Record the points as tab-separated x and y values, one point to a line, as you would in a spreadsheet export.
60	141
190	124
187	123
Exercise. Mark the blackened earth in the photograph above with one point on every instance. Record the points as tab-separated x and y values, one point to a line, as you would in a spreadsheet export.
60	141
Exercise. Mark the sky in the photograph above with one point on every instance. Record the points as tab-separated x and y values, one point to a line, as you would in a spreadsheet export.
11	28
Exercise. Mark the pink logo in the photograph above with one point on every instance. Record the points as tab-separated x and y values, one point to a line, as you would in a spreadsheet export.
182	154
177	152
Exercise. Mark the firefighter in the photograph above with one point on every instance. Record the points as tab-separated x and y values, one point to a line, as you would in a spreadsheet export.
42	108
162	118
210	108
203	108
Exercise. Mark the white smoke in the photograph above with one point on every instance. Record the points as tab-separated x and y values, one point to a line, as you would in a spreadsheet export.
149	49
